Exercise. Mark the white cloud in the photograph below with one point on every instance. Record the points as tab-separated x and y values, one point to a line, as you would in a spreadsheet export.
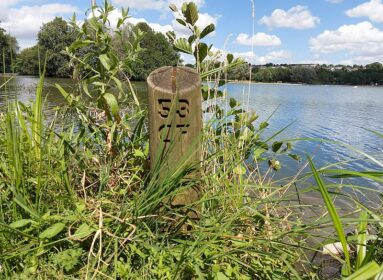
259	39
272	57
335	1
159	5
363	41
372	9
298	17
116	14
25	22
155	26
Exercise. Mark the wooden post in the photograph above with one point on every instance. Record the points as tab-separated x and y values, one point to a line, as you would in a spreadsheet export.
175	118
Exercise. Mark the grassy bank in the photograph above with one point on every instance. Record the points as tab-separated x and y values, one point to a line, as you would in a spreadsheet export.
79	201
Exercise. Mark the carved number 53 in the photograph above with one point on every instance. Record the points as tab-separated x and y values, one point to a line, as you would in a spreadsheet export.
165	105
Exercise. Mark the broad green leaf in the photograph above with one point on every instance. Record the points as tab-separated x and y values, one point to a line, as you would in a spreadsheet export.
52	231
190	12
230	58
105	61
276	146
20	223
207	30
112	104
81	43
181	21
182	45
138	153
83	231
233	102
202	51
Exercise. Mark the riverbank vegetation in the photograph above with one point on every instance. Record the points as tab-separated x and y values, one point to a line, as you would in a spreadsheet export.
371	74
78	201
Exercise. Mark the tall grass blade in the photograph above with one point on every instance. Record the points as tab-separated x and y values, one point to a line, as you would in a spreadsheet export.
37	124
368	271
334	216
362	240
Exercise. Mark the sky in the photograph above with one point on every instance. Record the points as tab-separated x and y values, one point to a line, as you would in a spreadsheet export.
285	31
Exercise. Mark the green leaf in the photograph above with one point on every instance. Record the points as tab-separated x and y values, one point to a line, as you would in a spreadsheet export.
361	247
105	61
22	202
68	97
230	58
259	152
276	146
52	231
80	43
138	153
83	231
182	45
20	223
190	12
112	104
221	276
296	157
181	21
233	102
202	51
263	125
366	272
207	30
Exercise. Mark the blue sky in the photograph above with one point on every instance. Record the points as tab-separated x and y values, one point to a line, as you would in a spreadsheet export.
286	31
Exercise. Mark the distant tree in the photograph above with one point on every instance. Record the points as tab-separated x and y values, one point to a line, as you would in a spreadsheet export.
8	50
303	75
28	62
157	51
240	72
53	38
264	75
376	66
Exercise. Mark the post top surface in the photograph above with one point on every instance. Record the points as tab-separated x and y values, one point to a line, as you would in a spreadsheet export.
173	79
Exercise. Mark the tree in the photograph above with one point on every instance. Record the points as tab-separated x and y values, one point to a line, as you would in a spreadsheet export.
8	49
53	38
157	51
240	72
28	61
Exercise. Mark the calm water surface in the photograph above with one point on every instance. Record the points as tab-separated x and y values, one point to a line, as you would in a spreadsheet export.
339	113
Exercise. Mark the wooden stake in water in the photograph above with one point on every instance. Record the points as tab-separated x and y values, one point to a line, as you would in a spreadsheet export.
175	118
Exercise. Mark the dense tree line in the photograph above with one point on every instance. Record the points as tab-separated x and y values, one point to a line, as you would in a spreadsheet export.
56	35
370	74
8	49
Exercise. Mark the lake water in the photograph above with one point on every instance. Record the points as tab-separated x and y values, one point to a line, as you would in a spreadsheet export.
339	113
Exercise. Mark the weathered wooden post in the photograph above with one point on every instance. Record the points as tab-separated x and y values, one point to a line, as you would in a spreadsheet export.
175	118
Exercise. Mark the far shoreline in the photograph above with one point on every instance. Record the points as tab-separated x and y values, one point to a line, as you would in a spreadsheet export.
297	84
